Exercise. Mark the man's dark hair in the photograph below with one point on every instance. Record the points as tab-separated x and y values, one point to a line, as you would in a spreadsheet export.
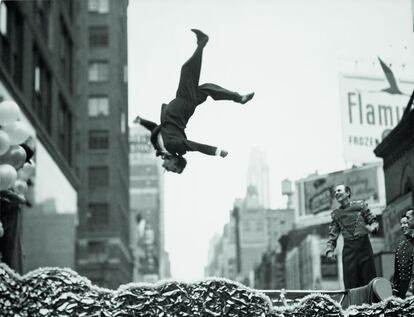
181	163
407	210
348	190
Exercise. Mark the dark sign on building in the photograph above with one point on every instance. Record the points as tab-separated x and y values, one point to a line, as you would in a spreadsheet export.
318	192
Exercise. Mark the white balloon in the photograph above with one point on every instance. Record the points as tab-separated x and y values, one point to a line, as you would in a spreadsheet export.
20	186
4	142
8	176
26	171
18	132
9	112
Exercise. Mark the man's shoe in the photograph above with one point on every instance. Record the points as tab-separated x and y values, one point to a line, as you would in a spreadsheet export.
246	98
137	119
202	38
223	153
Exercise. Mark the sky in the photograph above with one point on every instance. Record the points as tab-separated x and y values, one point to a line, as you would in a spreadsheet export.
289	52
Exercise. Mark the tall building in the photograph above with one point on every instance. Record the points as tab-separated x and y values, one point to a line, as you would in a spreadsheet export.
37	47
258	176
151	261
252	229
103	253
270	272
249	244
397	152
213	267
222	255
279	222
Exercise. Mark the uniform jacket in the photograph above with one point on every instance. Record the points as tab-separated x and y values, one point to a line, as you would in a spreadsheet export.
403	266
350	221
174	118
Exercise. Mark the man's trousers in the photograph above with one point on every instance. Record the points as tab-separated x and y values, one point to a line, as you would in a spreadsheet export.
358	262
195	94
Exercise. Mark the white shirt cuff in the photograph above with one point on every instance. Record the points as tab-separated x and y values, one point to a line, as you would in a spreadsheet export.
218	151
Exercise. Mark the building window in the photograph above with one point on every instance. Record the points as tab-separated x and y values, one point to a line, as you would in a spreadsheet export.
125	73
259	226
123	122
3	18
144	183
98	6
144	170
98	71
98	176
37	79
98	214
97	251
42	12
65	130
17	53
246	225
146	201
98	36
65	56
98	139
98	106
42	87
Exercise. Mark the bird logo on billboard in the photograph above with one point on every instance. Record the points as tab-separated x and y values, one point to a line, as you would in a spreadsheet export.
393	88
389	75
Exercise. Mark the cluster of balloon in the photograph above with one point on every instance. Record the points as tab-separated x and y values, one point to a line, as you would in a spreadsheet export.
14	170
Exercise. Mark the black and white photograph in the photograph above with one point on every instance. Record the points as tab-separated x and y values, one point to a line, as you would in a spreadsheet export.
174	158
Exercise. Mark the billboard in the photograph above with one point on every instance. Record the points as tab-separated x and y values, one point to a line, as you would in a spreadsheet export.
368	113
318	192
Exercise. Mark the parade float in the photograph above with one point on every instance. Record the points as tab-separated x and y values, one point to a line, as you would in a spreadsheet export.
62	292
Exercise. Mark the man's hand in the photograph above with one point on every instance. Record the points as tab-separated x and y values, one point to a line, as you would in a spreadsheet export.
330	255
373	227
223	153
137	119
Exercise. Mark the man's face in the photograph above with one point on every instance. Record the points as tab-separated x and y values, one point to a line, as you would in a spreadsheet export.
170	164
410	218
404	225
340	193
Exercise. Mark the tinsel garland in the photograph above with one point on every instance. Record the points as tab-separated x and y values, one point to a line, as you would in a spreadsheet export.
62	292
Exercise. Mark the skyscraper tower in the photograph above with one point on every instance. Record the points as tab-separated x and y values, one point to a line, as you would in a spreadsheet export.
258	176
103	253
147	209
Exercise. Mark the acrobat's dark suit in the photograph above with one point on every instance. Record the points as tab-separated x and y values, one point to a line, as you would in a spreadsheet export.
175	115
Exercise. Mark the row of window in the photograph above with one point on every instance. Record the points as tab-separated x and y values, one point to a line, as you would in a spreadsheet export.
98	6
98	106
98	177
98	36
98	71
98	139
98	214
